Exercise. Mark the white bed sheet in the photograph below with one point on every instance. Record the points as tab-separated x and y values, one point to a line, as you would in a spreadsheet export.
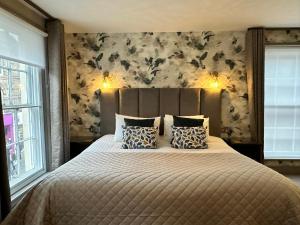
107	144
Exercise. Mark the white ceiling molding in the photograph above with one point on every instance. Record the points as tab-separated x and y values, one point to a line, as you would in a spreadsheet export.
171	15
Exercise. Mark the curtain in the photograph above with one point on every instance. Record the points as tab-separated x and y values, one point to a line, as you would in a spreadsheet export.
59	123
255	49
4	183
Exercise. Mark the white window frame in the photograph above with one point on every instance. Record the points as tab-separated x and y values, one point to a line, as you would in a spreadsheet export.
22	182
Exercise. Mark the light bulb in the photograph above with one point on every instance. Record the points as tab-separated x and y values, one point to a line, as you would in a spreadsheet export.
215	84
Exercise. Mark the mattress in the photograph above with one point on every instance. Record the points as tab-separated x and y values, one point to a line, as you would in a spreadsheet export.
108	185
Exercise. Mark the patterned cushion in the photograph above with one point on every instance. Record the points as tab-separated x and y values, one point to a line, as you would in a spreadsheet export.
135	137
189	137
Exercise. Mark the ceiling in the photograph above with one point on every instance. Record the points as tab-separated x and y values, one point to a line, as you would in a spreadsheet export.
171	15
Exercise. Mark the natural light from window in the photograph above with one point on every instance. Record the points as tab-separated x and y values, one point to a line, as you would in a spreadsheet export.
23	120
282	102
22	66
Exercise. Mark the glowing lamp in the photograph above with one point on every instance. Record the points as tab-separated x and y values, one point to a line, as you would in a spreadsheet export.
215	84
106	83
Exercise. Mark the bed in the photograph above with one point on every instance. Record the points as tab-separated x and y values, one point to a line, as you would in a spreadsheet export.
109	185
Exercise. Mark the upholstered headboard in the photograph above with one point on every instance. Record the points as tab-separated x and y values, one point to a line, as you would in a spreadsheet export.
151	102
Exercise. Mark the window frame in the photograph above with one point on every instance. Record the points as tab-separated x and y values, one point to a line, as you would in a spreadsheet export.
279	154
44	116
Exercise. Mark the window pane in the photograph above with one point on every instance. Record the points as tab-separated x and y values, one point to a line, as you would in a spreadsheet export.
286	65
270	91
285	117
9	122
23	145
297	141
12	160
297	86
269	66
23	161
283	140
20	123
23	121
17	81
282	102
4	84
269	141
24	124
27	156
297	117
270	117
20	85
285	92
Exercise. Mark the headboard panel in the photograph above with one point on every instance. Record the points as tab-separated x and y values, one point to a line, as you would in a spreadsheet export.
150	102
129	101
211	107
169	101
190	99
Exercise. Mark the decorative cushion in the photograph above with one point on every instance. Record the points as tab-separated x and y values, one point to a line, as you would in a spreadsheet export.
169	121
135	137
189	137
120	122
187	122
139	123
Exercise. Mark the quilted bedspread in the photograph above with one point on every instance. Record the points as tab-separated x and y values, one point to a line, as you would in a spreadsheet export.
176	187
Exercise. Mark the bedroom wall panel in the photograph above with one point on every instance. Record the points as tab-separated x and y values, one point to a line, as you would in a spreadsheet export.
157	60
147	60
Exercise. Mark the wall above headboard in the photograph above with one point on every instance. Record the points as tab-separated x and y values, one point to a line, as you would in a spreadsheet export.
190	59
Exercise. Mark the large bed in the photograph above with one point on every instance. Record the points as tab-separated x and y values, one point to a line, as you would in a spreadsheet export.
106	184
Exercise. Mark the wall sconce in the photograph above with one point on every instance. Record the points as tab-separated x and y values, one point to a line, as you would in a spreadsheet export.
214	82
106	83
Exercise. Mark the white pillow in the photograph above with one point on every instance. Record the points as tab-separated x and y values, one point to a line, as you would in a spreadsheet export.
168	122
121	122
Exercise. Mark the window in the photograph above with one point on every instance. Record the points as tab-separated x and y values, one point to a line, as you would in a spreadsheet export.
23	120
282	102
22	62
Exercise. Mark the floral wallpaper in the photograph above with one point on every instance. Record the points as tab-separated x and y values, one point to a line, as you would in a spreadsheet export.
191	59
282	36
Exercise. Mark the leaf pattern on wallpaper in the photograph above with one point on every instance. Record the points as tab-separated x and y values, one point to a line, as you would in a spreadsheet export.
113	57
230	63
177	54
198	62
236	45
153	64
75	97
182	59
283	36
218	56
132	50
74	55
125	64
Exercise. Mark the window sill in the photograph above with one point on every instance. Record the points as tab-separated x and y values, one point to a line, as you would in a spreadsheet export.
16	197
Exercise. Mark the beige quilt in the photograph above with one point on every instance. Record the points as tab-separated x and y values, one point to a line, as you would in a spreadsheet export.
105	185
